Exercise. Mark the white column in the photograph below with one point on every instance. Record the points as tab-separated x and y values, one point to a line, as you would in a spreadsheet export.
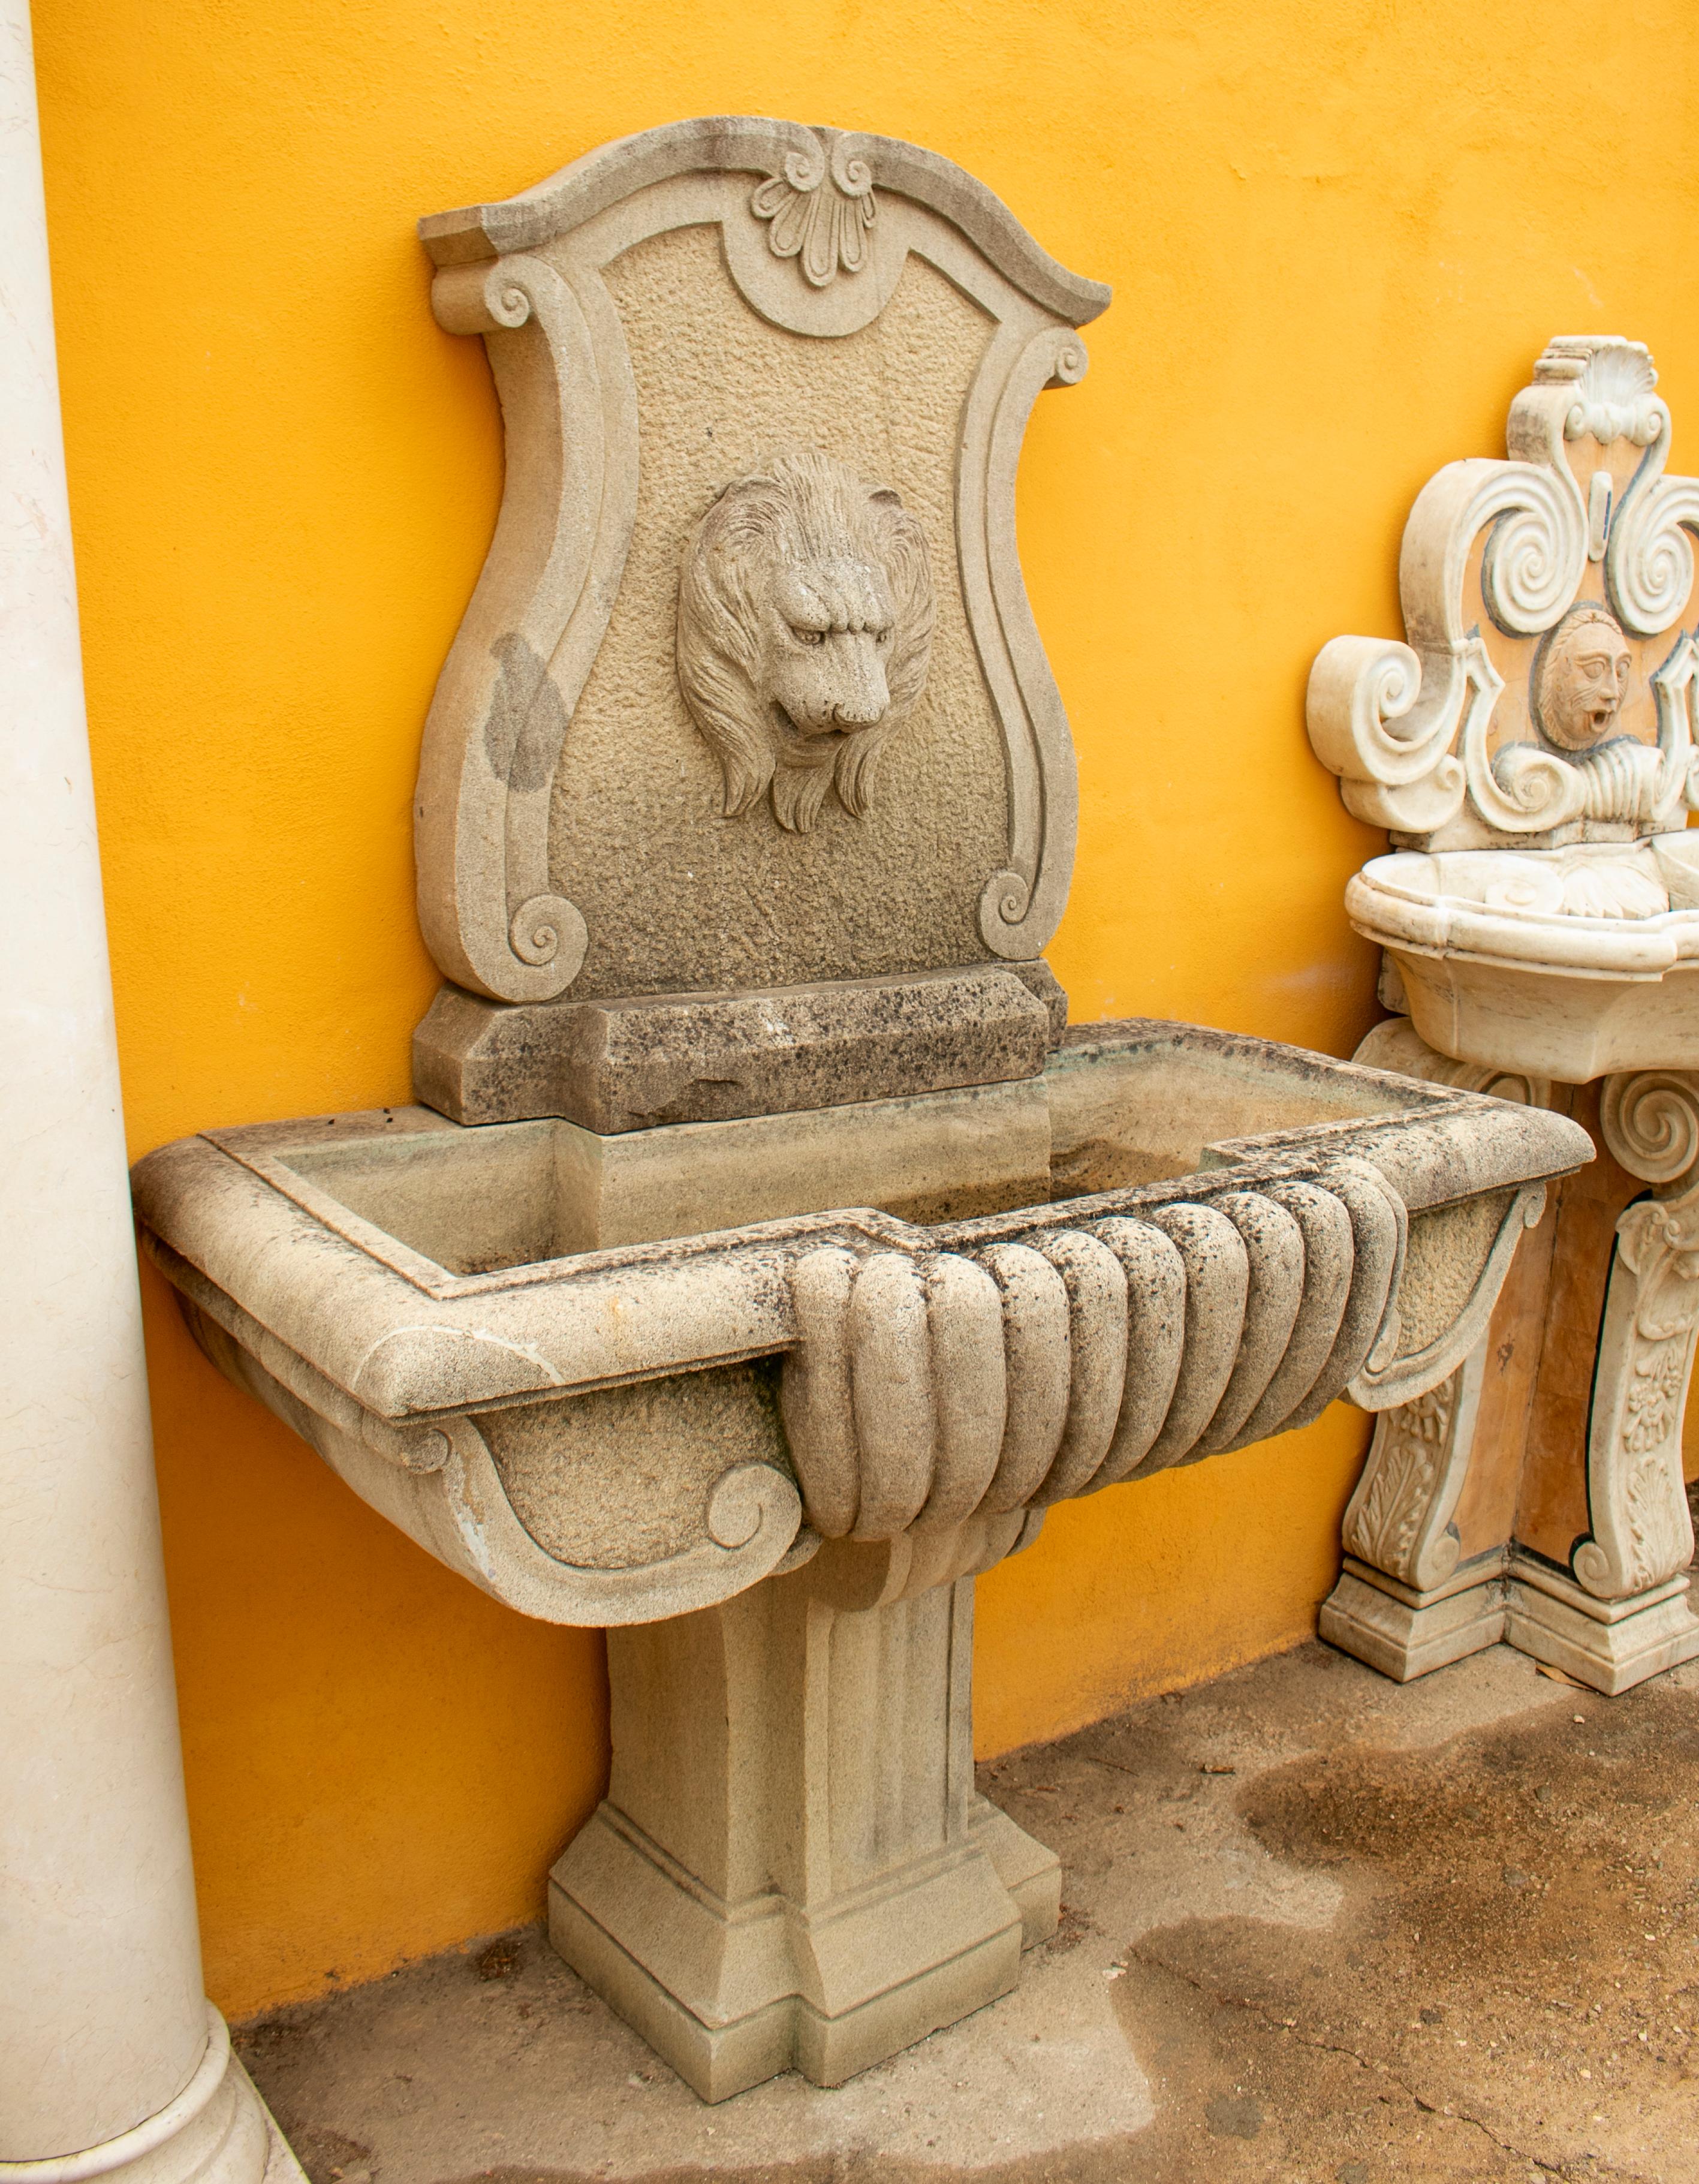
111	2062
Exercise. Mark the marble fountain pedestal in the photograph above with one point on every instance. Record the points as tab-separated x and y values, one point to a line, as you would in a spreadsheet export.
765	1255
1531	751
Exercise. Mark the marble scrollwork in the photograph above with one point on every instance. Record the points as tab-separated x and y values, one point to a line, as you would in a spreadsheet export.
1410	728
1532	748
1400	1517
1649	557
1640	1532
1650	1121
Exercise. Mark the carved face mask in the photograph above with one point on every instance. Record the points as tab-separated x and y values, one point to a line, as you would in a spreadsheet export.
1582	679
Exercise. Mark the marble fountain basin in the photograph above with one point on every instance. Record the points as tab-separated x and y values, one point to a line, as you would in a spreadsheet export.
1567	963
611	1379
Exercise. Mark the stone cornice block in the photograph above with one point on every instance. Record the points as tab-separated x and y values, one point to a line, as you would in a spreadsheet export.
630	1064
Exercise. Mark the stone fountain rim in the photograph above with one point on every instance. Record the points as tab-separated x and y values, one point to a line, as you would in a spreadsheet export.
1386	905
221	1213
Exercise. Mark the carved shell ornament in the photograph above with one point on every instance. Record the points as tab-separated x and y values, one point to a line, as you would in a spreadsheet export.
820	210
1615	384
804	623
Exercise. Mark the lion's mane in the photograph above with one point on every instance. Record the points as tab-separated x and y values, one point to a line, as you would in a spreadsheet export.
804	511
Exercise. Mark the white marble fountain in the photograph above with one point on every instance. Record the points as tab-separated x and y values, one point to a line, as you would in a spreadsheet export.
766	1257
1531	752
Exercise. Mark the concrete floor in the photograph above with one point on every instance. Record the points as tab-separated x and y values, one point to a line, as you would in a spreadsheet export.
1317	1927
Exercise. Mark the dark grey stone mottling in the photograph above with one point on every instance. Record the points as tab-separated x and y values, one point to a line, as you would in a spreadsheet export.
628	1064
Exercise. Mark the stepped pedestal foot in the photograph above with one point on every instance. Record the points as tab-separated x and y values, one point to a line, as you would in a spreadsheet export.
791	1869
1406	1633
1611	1645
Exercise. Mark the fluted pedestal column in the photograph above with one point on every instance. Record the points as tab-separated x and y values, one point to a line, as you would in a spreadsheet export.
791	1868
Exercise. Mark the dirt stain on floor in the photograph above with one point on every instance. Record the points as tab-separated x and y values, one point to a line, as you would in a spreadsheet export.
1511	1991
1468	1953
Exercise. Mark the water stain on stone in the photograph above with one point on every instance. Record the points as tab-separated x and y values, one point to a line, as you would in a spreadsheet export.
1229	2118
527	722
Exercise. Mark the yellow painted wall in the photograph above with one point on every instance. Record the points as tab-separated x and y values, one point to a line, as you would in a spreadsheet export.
1339	232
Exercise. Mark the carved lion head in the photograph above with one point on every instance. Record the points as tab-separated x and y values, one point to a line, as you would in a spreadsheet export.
805	620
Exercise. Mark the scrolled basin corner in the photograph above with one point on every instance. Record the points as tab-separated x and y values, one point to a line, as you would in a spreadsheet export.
876	1322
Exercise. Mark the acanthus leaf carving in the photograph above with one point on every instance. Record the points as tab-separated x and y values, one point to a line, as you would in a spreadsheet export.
1641	1532
1400	1517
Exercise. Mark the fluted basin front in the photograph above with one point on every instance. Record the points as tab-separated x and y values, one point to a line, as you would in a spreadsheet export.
1174	1242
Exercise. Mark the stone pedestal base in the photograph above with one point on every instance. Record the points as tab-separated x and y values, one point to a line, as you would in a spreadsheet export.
791	1869
1612	1645
1536	1496
217	2131
733	1993
1405	1633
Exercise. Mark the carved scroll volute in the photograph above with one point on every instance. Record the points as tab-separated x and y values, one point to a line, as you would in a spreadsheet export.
1390	719
487	905
1406	726
1021	906
1649	1119
1641	1533
1648	556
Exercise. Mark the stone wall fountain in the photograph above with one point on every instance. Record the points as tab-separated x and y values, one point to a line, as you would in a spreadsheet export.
766	1256
1531	751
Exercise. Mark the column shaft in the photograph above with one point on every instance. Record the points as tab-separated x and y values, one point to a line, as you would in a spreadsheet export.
102	2018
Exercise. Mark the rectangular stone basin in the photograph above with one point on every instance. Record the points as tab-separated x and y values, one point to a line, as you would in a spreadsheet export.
1118	1105
409	1292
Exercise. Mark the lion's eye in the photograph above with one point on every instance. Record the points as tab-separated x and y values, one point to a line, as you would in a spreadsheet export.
809	635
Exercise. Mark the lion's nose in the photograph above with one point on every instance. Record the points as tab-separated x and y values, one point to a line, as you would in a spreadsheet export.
866	696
